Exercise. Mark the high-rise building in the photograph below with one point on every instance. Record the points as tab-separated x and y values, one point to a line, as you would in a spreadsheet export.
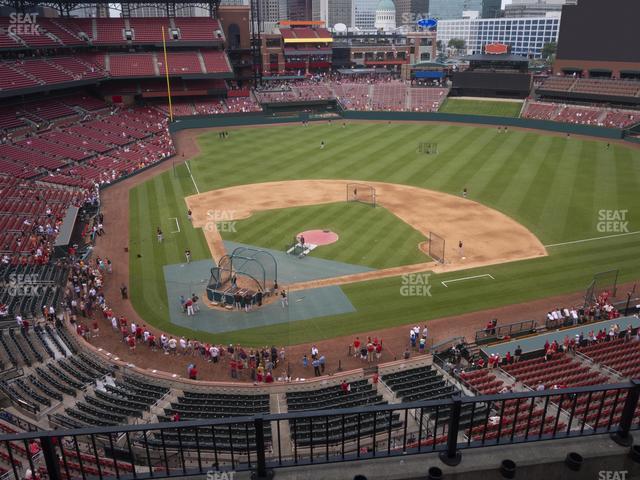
408	12
299	10
340	11
452	9
534	8
365	14
271	12
525	36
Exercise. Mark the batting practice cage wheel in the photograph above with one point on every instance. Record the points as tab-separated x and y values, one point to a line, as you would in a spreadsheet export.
436	247
361	192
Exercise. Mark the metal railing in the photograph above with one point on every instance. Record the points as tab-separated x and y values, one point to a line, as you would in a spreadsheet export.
498	332
265	442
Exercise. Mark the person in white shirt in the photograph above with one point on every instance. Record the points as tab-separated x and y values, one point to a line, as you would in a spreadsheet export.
114	323
214	352
19	321
134	327
183	345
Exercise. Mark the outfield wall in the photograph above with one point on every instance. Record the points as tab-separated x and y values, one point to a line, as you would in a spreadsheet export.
260	118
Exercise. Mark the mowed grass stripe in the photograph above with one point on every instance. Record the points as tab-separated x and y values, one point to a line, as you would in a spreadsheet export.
494	176
525	161
554	214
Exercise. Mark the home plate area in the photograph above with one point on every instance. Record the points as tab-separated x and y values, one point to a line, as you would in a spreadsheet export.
307	241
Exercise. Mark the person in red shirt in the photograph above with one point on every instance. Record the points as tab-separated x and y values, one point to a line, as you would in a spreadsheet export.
268	378
344	386
356	346
131	340
96	328
176	417
138	332
508	358
193	373
378	351
152	342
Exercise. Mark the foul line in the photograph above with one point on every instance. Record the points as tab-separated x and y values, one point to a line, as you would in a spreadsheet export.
592	239
191	175
466	278
177	224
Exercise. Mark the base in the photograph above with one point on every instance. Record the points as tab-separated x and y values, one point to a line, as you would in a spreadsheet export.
450	461
269	474
622	441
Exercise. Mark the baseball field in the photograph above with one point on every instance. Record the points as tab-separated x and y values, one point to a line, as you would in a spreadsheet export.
577	196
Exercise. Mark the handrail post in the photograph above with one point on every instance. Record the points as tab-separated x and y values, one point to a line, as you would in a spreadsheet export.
261	471
50	458
622	437
452	456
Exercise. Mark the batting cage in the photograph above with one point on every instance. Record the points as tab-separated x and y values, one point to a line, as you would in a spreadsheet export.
603	284
436	247
361	192
256	266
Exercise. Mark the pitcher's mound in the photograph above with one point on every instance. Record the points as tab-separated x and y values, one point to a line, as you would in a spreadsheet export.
319	237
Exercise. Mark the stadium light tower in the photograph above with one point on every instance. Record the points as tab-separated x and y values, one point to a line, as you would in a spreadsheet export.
256	42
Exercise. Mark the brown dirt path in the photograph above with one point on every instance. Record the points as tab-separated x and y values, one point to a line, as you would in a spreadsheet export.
115	203
489	236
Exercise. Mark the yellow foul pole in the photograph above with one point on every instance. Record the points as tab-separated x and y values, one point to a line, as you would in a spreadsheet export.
166	72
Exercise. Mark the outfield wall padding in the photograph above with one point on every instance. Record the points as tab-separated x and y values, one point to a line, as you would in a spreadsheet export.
260	118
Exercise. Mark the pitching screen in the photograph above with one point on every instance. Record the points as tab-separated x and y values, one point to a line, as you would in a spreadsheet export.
597	30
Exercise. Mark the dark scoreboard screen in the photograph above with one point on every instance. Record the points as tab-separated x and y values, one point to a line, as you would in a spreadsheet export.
600	30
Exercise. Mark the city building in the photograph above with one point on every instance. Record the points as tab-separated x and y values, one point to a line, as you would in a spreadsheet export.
408	12
385	16
534	8
299	47
365	14
299	9
453	9
382	50
525	36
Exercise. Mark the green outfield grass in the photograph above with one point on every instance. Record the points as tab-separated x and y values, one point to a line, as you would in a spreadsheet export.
373	237
555	186
481	107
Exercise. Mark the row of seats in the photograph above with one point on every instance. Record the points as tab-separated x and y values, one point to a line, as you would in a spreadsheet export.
322	430
39	72
620	355
57	32
393	95
595	86
596	116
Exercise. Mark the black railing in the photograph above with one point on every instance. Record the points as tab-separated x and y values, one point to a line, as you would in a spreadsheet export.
499	332
260	443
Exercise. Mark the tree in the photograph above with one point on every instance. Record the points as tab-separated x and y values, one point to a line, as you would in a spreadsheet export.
457	44
549	49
